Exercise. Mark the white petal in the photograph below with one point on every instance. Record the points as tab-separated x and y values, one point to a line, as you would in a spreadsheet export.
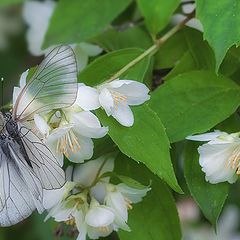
90	49
99	192
123	114
106	101
88	125
96	233
85	152
37	15
16	92
81	57
42	125
52	145
99	216
133	194
205	137
23	79
69	173
116	201
59	132
120	223
52	197
60	213
81	225
136	92
86	173
214	160
88	98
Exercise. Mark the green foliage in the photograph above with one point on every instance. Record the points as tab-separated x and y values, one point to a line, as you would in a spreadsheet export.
188	98
162	222
4	3
220	21
103	68
112	39
193	102
81	20
210	197
185	51
145	142
157	13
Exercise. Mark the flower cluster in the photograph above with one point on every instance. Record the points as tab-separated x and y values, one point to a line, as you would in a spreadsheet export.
92	204
70	131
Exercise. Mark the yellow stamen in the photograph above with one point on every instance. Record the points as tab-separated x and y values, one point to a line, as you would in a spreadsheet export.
117	98
68	142
104	229
71	222
234	160
128	203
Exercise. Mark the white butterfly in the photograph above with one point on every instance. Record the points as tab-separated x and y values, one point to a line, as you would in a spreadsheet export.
27	166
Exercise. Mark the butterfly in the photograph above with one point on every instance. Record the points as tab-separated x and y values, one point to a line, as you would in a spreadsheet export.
27	166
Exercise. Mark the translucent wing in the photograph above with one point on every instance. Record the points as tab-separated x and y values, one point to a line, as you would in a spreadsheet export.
44	163
52	86
15	202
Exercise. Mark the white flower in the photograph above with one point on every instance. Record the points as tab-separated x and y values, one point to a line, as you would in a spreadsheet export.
220	157
42	125
187	8
73	134
91	203
120	198
115	98
37	16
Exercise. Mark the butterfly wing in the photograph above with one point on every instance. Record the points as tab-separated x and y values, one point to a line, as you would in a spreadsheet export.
15	203
44	163
52	86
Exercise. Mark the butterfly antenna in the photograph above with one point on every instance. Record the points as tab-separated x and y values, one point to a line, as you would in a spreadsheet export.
2	81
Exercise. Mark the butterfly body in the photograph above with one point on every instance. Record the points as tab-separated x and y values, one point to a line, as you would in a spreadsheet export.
9	136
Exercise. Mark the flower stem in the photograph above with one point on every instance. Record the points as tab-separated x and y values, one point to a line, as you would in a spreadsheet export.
153	49
98	173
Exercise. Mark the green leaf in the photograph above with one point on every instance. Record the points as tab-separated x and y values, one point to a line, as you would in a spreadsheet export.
194	102
103	146
210	197
114	40
231	62
103	68
156	217
78	20
230	125
220	21
145	142
186	51
124	179
4	3
157	13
